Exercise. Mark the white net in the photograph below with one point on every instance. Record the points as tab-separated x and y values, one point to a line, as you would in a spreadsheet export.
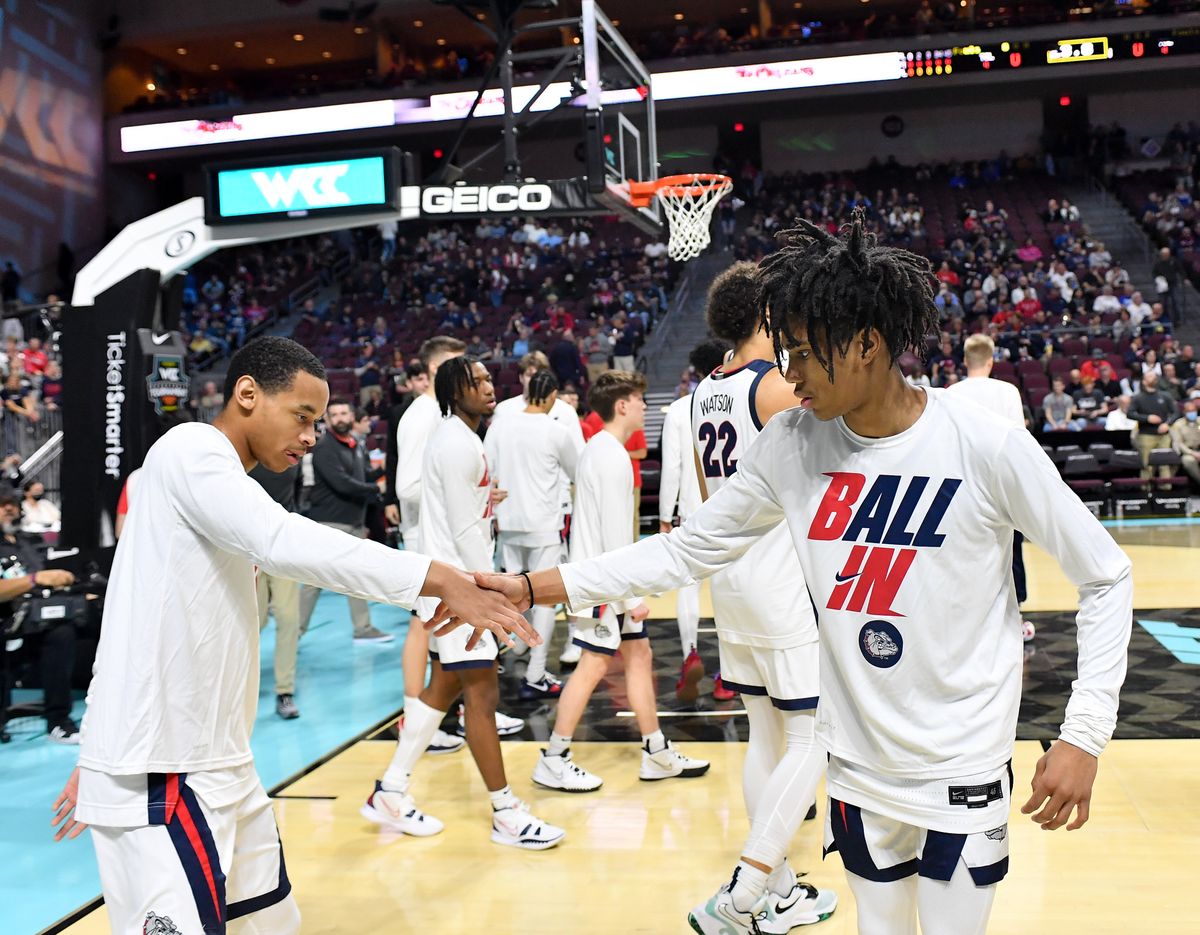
689	206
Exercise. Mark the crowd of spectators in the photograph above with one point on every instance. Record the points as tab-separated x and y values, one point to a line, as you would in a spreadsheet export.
738	32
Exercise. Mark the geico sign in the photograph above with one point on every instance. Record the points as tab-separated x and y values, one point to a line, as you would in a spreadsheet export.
465	199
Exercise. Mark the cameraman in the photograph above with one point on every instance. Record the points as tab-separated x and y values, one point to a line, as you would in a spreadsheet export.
56	647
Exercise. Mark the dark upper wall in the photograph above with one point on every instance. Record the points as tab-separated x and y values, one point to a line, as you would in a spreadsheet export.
51	150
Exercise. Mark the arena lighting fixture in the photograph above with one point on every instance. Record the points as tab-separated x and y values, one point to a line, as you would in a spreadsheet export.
270	61
214	67
678	16
150	86
326	55
359	30
1064	101
239	44
441	41
298	36
418	24
181	51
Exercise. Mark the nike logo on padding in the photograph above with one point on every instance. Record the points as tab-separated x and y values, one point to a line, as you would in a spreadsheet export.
840	578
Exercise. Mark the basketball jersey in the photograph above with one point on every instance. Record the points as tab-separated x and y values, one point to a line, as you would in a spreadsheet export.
761	599
527	453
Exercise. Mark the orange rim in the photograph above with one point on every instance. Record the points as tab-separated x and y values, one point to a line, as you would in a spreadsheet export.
642	193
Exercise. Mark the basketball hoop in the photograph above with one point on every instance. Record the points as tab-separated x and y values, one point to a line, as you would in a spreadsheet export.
688	202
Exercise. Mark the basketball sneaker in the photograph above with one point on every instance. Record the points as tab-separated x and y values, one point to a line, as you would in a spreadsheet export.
285	707
564	774
372	634
804	905
720	692
1028	631
687	689
517	827
669	762
65	731
444	743
571	654
545	687
719	916
396	812
505	725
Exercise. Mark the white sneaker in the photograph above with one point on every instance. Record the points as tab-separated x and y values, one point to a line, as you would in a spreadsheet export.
396	812
505	725
444	743
804	905
669	762
1028	630
571	654
564	774
718	916
517	827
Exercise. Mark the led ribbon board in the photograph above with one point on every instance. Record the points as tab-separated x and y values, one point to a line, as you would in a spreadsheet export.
356	183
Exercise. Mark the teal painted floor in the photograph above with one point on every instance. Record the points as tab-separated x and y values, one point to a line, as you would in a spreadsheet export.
342	689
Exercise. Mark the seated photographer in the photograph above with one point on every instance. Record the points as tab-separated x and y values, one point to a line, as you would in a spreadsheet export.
21	559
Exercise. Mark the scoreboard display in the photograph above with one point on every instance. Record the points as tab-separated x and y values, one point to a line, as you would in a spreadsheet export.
1066	54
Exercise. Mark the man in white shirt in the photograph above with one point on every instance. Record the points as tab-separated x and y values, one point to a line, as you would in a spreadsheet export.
604	521
678	484
1106	302
528	453
416	427
182	828
901	503
456	526
1139	309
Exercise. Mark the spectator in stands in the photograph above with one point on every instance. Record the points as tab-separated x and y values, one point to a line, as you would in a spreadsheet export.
626	334
1138	308
33	358
1118	419
1098	257
1167	279
368	372
565	359
1107	381
1185	436
1171	384
210	403
1106	302
213	289
19	407
1057	407
1150	364
38	514
1091	405
596	350
1153	411
387	233
1193	383
1029	252
478	348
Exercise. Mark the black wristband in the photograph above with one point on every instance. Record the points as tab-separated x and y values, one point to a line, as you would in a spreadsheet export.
529	584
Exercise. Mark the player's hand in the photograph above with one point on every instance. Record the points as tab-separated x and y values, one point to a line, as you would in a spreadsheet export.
497	496
513	587
64	807
391	513
639	613
664	528
463	601
1062	783
54	578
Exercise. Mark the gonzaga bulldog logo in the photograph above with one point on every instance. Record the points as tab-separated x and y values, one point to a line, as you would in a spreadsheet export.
881	644
159	925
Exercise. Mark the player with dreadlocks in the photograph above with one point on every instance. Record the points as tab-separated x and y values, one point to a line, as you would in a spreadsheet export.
456	525
901	502
529	453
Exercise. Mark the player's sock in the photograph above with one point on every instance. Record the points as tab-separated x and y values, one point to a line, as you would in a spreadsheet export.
420	723
559	744
688	610
543	624
654	742
749	883
782	879
503	798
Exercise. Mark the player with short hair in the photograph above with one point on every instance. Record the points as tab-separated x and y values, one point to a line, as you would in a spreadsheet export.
766	627
604	521
678	485
528	453
901	502
456	525
182	828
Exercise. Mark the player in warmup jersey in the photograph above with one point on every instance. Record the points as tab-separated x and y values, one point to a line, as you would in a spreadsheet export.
678	484
416	427
766	627
901	502
528	453
603	521
1004	400
456	525
183	831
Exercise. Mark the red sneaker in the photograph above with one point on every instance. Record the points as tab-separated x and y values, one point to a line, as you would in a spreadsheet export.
720	692
687	689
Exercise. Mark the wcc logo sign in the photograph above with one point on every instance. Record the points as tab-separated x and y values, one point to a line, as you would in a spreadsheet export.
315	186
167	385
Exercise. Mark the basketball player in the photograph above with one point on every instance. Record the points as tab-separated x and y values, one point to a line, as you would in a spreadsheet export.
528	453
456	523
766	627
604	521
565	415
678	485
416	427
1004	400
182	828
901	502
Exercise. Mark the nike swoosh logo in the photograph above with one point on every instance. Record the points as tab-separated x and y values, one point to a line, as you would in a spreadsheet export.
842	578
161	338
781	908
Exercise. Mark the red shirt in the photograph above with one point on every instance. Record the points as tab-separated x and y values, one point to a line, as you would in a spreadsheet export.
34	361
